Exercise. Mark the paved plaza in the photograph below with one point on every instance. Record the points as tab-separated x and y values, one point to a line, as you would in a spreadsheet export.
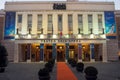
28	71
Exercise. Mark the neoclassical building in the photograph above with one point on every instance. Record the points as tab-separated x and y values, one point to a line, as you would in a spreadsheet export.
40	31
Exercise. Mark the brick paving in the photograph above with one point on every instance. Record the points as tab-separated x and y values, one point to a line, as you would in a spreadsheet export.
28	71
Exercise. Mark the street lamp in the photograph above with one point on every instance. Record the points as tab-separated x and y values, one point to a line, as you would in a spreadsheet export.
17	34
29	34
91	33
79	33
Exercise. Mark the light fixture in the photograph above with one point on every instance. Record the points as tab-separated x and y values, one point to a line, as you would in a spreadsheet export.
29	36
79	36
103	36
91	35
67	36
41	36
16	36
54	36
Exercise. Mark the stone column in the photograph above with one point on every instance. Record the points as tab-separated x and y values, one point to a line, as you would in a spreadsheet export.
16	53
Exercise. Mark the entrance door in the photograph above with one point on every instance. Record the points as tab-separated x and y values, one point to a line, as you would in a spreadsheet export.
85	52
73	49
48	52
60	53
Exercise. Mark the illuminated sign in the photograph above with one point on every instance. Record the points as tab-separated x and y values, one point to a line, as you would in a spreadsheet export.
59	6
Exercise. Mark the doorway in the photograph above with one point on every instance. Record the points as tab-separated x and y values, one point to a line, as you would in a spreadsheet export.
48	52
60	52
73	51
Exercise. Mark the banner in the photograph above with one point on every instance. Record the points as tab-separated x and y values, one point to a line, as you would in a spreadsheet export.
92	51
80	51
110	26
67	51
9	30
41	52
54	51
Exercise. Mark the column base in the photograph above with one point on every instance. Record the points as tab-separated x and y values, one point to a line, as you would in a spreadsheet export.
92	60
28	61
79	60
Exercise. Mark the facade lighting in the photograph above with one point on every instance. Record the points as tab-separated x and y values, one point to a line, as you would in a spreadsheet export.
54	36
41	36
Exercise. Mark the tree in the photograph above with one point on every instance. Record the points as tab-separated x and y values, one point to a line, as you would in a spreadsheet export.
3	58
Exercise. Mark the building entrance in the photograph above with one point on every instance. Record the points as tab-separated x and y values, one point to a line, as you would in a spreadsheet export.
60	52
87	52
47	52
73	51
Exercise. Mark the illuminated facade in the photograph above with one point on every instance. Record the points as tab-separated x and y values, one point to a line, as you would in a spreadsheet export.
40	31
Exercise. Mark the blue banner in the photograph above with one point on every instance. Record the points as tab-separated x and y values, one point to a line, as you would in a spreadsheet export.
41	52
110	26
79	51
54	51
9	30
92	51
28	51
67	51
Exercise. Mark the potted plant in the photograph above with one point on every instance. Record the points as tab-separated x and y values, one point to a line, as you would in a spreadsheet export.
73	63
91	73
3	58
49	66
44	74
80	67
69	60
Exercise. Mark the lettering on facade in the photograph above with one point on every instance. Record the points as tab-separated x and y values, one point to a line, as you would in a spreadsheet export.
59	6
60	40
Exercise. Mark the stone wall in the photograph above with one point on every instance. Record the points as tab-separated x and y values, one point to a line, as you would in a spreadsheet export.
112	50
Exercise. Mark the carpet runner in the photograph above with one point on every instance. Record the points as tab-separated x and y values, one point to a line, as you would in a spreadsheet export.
64	73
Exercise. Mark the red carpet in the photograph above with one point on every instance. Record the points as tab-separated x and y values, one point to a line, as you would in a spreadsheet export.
64	73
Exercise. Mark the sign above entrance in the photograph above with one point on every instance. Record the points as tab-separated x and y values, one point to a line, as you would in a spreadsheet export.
59	6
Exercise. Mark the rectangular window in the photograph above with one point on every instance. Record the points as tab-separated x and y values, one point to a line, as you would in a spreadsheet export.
90	22
20	18
59	22
80	22
39	24
70	23
100	23
50	23
29	21
19	22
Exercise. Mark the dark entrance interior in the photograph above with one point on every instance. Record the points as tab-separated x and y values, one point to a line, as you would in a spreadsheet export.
60	53
48	52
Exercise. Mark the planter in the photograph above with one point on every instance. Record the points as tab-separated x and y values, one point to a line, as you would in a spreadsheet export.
2	70
91	73
90	77
73	63
49	66
44	77
80	67
44	74
3	58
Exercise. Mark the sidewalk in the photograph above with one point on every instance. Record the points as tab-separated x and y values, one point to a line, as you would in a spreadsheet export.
28	71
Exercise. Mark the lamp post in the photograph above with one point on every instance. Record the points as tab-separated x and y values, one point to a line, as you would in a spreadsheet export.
41	30
102	30
29	30
17	31
91	31
78	30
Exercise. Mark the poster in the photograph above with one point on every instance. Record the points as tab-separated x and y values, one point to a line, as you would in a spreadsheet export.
110	26
9	30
